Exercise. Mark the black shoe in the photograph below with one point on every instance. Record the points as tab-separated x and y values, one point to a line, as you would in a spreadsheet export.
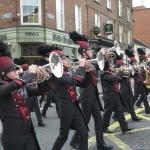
107	131
126	130
104	146
74	145
51	106
44	116
139	106
147	112
136	119
41	124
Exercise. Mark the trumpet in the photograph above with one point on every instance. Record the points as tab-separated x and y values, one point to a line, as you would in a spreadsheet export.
127	71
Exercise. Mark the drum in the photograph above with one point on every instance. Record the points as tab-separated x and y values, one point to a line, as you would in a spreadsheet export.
1	128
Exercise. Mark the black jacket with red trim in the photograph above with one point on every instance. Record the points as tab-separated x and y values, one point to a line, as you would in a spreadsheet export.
8	105
108	80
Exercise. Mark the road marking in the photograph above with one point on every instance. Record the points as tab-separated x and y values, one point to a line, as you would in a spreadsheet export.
118	142
92	140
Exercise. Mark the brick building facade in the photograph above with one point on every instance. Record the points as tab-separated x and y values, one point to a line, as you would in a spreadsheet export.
24	24
141	15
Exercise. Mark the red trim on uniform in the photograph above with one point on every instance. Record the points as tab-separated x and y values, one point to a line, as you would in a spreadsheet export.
78	79
18	82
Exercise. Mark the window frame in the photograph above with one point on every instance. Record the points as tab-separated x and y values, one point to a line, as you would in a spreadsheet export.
109	4
120	33
97	21
39	14
80	20
63	14
120	8
128	14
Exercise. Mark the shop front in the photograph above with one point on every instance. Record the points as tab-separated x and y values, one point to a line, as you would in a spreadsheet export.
23	42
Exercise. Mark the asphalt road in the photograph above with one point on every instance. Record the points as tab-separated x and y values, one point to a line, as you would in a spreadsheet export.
138	139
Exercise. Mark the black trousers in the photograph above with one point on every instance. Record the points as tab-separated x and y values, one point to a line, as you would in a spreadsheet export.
51	96
112	103
70	114
33	103
18	135
94	110
142	92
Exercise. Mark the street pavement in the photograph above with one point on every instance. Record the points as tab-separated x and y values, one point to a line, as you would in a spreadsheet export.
138	139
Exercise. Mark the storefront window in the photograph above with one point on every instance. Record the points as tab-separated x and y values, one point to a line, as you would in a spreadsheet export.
71	52
29	50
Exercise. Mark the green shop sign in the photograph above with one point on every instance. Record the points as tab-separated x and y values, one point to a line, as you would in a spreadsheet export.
108	29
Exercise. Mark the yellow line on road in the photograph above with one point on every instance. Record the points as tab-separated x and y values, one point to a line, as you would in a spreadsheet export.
112	127
118	142
144	117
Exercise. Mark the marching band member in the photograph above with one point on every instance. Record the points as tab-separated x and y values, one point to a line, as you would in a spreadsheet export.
51	94
32	102
89	96
70	113
18	133
126	90
112	99
140	85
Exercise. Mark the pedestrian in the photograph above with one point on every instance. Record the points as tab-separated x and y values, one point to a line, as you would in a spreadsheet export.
70	113
18	131
89	96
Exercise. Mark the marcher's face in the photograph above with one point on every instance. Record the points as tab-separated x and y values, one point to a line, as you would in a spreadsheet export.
66	62
89	53
13	74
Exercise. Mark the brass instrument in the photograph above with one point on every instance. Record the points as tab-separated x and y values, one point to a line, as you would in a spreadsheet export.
147	76
55	65
127	72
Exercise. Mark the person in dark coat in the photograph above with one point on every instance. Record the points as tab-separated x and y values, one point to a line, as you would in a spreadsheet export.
32	102
89	96
51	94
125	88
111	98
140	82
70	114
18	131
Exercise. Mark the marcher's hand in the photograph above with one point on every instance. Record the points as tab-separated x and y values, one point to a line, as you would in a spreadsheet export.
82	62
32	69
122	68
145	82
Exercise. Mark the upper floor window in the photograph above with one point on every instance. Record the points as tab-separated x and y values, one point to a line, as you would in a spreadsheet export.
120	34
97	20
30	12
78	18
120	8
109	36
97	1
128	14
109	4
60	14
129	37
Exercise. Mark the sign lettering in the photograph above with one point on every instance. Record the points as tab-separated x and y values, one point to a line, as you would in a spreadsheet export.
31	34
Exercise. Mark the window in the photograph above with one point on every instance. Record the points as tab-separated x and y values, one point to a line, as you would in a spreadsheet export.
109	4
97	20
60	14
78	18
96	1
129	37
30	12
120	34
71	52
109	36
128	14
120	8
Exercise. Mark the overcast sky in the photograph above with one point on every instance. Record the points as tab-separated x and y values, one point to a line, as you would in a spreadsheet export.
146	3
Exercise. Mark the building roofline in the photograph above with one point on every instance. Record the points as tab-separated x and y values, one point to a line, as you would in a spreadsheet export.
140	42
